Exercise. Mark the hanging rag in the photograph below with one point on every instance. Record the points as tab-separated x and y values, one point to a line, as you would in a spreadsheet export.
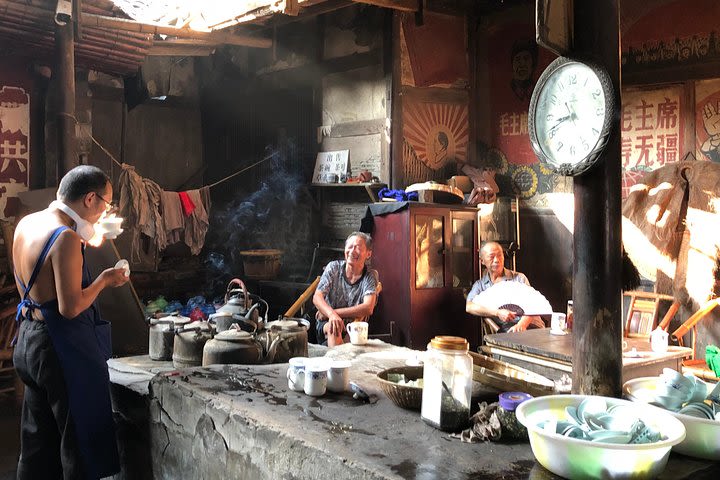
140	200
197	224
188	206
173	219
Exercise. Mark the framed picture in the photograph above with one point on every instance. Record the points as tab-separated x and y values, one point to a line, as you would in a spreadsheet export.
554	25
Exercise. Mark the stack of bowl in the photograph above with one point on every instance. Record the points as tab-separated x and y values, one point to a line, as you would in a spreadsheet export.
703	433
650	431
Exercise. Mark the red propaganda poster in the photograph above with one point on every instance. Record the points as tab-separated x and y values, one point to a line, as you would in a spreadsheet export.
652	131
14	147
515	63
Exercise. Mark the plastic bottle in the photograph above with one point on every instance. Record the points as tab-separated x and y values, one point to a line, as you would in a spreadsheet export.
447	377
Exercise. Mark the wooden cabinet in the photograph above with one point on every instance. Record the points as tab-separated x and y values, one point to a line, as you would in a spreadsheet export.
426	256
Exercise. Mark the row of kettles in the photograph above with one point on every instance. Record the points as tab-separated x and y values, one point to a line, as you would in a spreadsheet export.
235	334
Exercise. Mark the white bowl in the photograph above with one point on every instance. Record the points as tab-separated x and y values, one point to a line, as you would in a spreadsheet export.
703	435
582	459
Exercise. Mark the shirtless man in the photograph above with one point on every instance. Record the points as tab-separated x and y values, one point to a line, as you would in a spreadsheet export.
67	428
347	290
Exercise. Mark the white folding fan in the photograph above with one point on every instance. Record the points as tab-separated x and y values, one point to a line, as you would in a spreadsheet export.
515	296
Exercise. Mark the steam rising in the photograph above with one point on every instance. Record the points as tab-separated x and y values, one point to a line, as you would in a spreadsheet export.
277	215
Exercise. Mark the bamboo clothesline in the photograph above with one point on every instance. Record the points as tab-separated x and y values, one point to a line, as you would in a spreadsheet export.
110	155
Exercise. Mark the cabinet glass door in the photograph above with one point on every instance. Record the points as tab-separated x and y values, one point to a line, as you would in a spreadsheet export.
429	258
462	252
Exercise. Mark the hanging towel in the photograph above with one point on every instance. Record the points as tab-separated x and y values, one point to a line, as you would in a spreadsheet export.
196	225
173	219
140	207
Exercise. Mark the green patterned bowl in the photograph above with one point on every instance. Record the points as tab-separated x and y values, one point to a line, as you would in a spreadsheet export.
574	458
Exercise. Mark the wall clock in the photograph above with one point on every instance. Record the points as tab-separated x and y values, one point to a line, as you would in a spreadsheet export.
572	110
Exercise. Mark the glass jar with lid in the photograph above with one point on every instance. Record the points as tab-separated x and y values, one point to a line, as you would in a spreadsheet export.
447	378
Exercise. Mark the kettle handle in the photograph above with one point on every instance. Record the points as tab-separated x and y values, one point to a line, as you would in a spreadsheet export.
241	284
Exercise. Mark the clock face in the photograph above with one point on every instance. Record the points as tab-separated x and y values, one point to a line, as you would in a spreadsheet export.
570	115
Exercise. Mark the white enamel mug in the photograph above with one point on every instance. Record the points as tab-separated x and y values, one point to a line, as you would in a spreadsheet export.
358	332
338	376
296	374
316	375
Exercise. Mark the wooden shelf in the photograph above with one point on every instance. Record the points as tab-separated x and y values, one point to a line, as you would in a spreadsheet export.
370	187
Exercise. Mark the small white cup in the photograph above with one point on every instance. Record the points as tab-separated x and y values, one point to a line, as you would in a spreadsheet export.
110	227
296	374
358	332
557	322
338	376
316	376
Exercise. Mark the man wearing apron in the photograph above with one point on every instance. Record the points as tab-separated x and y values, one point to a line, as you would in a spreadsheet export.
67	427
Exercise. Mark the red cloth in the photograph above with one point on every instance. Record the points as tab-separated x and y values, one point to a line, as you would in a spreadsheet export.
187	205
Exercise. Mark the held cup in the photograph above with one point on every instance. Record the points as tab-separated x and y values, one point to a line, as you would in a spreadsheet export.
296	374
110	227
316	376
358	332
338	376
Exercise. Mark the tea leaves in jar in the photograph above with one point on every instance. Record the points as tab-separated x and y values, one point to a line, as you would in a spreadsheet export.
448	383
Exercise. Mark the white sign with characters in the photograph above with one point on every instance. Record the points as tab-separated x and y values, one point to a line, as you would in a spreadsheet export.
330	166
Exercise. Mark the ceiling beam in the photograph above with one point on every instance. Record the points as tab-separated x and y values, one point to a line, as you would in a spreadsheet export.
401	5
116	23
241	40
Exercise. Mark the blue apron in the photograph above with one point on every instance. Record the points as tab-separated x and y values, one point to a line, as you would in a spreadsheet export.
83	346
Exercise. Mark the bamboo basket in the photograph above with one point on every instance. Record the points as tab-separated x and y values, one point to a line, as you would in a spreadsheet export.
261	264
404	396
509	378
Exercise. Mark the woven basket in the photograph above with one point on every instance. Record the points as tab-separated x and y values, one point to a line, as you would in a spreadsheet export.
403	396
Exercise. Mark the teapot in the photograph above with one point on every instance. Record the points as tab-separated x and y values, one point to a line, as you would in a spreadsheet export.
238	347
189	342
292	337
238	302
659	340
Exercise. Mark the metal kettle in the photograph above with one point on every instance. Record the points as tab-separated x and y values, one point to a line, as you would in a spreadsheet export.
292	337
189	342
238	347
238	302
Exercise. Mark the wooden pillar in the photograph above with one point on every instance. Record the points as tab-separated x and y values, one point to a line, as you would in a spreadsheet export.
65	71
597	328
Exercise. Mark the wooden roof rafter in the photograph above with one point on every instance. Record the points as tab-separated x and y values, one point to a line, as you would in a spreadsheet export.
401	5
117	23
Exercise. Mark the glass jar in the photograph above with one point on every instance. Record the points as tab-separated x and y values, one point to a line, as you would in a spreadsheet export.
569	316
447	378
512	429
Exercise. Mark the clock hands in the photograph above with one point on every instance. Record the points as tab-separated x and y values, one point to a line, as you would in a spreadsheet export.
572	114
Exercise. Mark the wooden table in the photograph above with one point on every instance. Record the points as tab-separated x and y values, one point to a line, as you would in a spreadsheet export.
551	355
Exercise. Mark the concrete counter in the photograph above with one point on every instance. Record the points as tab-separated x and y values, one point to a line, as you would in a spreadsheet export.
241	421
